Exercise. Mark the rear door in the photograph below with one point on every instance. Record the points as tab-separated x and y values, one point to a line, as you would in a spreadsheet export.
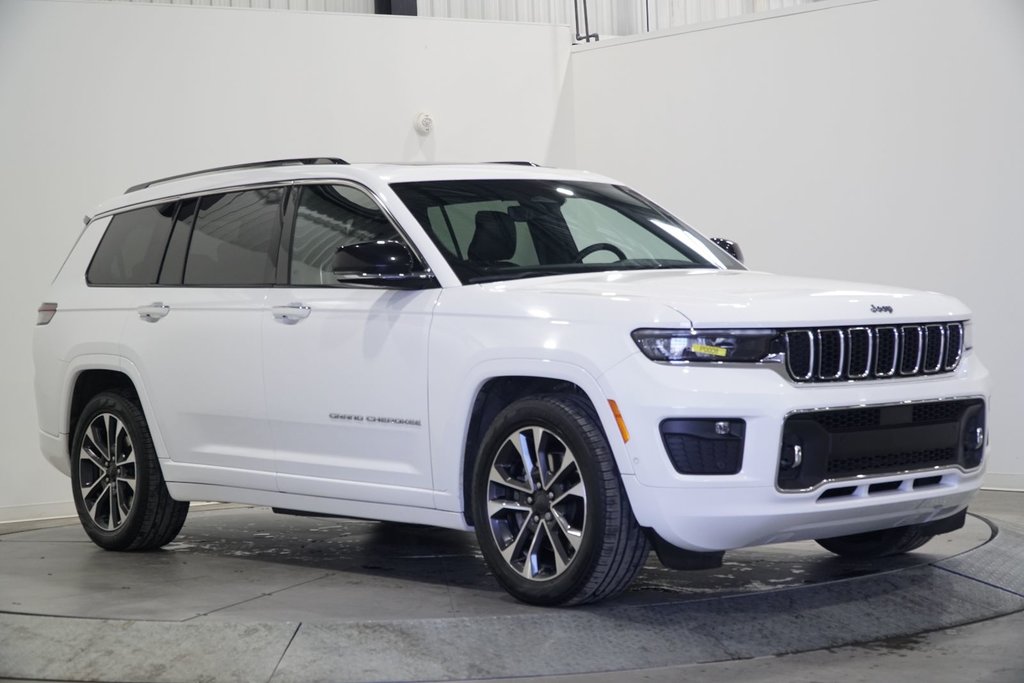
195	338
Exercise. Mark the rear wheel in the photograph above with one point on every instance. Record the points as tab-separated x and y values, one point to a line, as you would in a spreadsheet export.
552	518
873	544
119	491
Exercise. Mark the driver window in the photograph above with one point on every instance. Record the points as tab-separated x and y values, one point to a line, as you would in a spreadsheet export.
328	217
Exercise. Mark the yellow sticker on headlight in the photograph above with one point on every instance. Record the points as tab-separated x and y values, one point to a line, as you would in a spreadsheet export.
709	350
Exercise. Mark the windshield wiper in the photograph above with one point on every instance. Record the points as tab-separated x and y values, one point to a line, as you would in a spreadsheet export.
514	275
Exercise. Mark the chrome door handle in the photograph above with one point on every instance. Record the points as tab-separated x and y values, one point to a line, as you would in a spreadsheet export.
154	311
292	313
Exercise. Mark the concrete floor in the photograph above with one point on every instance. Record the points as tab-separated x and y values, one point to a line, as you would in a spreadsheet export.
245	595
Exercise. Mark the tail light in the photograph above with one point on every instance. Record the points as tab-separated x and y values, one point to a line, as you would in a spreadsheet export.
45	313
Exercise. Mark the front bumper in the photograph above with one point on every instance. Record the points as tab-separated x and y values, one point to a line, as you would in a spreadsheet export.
726	511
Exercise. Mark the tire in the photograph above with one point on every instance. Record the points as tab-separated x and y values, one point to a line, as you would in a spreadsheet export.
556	527
123	504
872	544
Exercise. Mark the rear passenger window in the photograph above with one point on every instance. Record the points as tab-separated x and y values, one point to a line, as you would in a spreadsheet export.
132	247
328	217
235	239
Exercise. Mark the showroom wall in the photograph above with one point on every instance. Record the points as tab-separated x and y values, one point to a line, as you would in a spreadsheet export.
95	97
879	141
865	139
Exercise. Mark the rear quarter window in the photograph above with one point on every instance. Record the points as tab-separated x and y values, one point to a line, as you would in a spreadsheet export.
132	248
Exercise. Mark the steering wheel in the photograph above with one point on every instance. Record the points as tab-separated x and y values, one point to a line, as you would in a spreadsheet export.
600	246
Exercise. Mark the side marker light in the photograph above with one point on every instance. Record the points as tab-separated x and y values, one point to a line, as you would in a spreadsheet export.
619	421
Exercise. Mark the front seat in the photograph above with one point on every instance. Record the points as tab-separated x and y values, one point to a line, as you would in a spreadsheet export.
494	241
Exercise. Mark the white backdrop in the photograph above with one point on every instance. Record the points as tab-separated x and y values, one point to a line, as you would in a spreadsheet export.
877	141
95	97
881	141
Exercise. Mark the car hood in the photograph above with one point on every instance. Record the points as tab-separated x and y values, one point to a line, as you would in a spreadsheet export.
731	298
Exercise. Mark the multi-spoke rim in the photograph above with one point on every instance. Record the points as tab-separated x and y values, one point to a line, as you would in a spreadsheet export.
536	503
106	472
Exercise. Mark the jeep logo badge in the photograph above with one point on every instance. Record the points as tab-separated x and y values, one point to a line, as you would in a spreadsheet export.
881	309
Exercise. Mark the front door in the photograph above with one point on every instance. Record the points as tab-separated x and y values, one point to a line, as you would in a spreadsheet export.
345	367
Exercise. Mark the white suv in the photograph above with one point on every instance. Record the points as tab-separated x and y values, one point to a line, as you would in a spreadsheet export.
542	355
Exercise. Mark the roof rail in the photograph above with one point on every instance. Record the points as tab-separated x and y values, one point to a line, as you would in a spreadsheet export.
514	163
233	167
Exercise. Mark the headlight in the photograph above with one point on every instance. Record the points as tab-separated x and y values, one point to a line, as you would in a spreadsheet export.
735	346
968	335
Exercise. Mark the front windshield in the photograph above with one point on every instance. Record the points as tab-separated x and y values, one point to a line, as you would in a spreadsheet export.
506	229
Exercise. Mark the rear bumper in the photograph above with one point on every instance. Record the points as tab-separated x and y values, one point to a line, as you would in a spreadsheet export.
55	450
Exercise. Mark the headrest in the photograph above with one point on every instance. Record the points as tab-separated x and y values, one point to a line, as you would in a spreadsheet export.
495	237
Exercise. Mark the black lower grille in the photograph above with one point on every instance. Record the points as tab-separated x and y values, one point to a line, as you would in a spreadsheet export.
838	444
891	462
872	352
704	446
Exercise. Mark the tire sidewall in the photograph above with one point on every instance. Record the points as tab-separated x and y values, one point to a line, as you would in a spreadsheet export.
553	417
130	417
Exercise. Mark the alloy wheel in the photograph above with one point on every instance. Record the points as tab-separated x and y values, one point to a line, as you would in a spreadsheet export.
107	472
536	503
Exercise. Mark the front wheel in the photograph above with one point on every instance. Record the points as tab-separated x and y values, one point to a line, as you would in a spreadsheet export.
551	516
119	491
873	544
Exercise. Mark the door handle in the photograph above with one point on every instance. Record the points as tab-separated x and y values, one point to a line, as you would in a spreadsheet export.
153	312
291	313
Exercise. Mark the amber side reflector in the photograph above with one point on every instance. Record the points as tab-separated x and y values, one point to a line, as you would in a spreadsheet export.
619	421
45	313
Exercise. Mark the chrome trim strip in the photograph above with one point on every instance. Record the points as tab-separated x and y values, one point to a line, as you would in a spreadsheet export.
865	477
327	180
188	195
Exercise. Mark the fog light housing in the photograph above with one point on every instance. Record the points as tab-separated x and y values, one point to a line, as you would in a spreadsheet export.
705	446
973	438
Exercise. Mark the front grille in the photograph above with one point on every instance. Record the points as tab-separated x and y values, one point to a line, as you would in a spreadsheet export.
877	440
836	354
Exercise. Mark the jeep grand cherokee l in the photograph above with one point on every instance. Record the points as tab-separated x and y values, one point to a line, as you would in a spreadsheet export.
543	356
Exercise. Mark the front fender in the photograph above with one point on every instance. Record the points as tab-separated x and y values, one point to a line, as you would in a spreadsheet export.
451	405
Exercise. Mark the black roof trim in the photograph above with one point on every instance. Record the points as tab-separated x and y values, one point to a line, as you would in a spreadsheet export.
234	167
514	163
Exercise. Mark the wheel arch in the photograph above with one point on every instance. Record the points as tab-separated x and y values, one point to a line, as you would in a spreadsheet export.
93	374
89	383
496	392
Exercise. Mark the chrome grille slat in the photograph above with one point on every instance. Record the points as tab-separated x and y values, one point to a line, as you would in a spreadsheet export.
861	347
910	349
799	340
890	336
831	348
835	354
934	346
954	345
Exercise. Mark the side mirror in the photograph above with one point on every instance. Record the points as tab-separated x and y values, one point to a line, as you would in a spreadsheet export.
381	260
730	247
